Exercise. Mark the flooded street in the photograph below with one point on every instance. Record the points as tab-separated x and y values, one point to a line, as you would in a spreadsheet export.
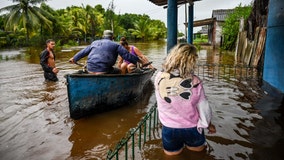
35	122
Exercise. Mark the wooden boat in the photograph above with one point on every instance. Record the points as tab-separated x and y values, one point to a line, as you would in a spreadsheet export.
89	94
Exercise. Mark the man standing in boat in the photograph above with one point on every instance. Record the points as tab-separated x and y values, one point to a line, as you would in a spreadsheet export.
47	61
102	55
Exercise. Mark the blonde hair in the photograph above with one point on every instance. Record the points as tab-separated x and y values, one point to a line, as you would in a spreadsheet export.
182	59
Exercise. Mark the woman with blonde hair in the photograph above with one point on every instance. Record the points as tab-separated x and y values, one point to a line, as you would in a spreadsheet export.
183	108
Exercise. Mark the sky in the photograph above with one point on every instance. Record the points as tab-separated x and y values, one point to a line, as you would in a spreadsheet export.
202	9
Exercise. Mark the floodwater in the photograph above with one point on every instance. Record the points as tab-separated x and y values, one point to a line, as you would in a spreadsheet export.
35	122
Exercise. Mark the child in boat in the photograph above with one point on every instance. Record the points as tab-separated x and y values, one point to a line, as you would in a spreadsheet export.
126	66
102	55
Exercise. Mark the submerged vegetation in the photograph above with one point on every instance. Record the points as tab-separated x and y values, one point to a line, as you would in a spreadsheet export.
26	24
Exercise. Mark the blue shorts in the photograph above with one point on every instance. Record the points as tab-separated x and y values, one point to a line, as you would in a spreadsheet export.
174	139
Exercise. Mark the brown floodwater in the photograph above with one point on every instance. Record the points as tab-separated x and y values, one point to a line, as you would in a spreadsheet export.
35	122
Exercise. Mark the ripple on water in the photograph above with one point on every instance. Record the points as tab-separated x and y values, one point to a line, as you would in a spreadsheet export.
35	121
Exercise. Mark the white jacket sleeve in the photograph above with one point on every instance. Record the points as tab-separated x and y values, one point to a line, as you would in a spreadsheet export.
205	114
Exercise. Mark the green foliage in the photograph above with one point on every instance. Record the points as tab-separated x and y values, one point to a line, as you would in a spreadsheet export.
126	20
25	14
81	24
69	44
200	39
231	27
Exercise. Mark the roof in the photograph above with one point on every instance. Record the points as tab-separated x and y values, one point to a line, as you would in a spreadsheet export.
165	2
204	30
221	14
204	22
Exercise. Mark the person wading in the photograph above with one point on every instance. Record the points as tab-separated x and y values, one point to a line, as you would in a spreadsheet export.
47	61
183	108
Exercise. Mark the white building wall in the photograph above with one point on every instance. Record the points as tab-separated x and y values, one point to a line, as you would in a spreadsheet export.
218	32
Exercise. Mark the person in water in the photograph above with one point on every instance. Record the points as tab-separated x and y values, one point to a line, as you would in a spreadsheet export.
102	55
126	66
183	108
47	61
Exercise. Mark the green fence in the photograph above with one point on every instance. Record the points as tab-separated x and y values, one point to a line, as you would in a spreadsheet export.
136	137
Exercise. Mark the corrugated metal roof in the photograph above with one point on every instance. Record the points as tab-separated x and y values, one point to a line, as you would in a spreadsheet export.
165	2
221	14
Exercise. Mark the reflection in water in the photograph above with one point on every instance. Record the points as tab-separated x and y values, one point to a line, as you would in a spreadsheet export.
35	122
92	137
268	134
233	117
31	116
210	56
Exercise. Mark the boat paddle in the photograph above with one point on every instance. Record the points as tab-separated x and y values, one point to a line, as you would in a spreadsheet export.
140	67
147	64
84	66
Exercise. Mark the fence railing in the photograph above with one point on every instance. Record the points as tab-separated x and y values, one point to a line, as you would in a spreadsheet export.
136	137
145	130
228	72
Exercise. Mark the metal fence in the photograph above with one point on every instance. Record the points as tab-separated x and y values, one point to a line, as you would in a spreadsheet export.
149	125
228	72
136	137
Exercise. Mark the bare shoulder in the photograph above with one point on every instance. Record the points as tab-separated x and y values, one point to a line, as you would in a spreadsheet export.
137	51
135	48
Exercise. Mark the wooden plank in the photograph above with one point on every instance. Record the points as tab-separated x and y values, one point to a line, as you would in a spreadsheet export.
256	36
240	45
245	40
248	52
260	46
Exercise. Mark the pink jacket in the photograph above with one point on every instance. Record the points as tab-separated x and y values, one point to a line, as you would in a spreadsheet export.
181	102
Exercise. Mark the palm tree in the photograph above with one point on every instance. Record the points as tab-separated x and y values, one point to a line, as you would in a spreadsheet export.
142	29
53	16
94	19
27	14
158	29
66	21
78	25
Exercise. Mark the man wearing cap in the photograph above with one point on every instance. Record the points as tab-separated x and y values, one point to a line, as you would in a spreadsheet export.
102	55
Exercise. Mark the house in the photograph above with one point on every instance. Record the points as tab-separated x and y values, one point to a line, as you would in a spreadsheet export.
201	33
215	28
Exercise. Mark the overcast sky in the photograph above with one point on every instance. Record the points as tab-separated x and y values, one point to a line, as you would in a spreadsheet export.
202	9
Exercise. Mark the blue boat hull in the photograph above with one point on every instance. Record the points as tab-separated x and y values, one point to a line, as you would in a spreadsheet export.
89	94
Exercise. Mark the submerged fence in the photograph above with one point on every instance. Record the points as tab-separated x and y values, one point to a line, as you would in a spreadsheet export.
136	137
228	72
149	125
